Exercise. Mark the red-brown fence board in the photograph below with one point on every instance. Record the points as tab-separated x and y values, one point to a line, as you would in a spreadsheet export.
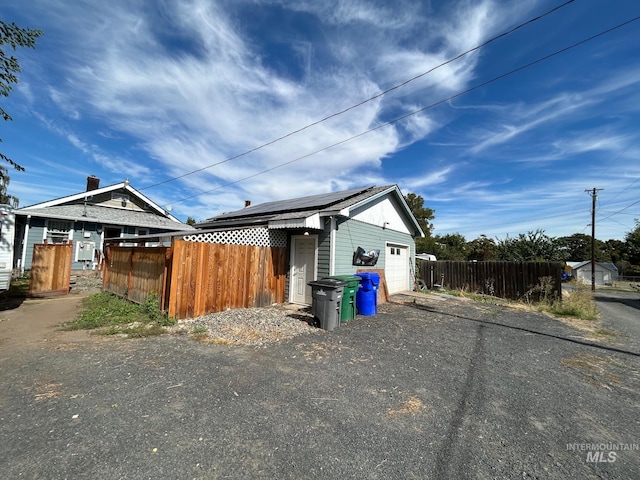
50	269
196	278
135	272
211	277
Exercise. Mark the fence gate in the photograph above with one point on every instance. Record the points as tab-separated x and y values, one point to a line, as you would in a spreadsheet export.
50	269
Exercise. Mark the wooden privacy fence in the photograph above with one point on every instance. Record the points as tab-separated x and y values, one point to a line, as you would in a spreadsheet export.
136	273
212	277
50	269
192	279
509	280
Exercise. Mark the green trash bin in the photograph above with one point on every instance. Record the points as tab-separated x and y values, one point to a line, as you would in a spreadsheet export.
348	308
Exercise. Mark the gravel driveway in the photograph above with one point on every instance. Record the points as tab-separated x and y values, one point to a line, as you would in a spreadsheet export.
430	387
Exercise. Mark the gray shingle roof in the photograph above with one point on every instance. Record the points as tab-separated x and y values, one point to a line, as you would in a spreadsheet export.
296	212
293	208
106	215
313	202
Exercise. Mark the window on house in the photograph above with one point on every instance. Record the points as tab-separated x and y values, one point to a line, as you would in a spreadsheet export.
58	232
123	197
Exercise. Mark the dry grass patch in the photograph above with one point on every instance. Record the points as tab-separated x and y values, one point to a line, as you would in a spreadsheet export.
47	391
411	406
317	351
592	331
596	370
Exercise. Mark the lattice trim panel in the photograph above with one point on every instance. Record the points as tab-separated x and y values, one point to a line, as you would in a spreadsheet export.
259	237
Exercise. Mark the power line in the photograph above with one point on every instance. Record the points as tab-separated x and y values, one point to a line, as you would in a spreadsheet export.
614	221
620	211
627	188
428	107
395	87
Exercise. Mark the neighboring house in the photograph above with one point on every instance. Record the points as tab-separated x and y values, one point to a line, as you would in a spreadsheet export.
605	273
330	234
87	219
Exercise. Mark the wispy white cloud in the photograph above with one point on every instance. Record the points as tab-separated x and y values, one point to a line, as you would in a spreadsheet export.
591	140
151	91
426	179
521	120
198	108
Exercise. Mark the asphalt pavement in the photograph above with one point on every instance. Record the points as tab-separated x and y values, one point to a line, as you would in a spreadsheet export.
430	387
620	311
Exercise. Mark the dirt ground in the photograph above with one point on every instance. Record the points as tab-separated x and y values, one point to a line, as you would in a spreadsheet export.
33	322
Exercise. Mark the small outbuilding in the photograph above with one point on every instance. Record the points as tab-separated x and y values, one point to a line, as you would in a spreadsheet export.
336	233
605	273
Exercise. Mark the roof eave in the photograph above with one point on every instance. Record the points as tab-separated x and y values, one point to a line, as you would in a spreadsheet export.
122	185
392	189
311	222
75	218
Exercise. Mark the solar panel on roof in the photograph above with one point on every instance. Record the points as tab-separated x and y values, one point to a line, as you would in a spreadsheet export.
304	203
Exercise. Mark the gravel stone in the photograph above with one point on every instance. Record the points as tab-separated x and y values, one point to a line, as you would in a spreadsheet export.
86	282
256	327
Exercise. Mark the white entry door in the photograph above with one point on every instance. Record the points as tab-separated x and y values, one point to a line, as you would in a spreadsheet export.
396	268
303	268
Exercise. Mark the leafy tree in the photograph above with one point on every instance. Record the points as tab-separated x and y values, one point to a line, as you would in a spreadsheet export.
575	248
531	247
623	266
612	250
191	221
483	249
452	246
4	183
14	36
632	240
424	216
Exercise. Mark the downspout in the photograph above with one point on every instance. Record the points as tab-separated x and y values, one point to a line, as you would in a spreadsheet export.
25	240
332	249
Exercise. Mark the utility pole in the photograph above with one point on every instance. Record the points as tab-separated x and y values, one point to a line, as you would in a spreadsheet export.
594	197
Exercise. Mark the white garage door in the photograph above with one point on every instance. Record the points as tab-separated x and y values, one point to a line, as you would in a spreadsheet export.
396	268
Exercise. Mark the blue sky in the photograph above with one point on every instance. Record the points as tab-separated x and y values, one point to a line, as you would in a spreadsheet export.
154	90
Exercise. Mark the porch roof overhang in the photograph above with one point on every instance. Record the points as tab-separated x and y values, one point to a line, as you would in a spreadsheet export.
284	222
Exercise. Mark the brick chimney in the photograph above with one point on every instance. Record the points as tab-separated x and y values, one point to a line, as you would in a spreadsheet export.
93	183
247	203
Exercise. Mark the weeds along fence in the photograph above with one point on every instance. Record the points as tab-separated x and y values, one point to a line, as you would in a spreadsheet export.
191	279
510	280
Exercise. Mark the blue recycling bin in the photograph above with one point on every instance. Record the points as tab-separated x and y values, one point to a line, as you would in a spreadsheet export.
367	295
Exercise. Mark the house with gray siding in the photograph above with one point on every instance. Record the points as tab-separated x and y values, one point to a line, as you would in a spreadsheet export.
337	233
88	218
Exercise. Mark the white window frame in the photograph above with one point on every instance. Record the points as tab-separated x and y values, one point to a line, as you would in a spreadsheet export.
60	232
